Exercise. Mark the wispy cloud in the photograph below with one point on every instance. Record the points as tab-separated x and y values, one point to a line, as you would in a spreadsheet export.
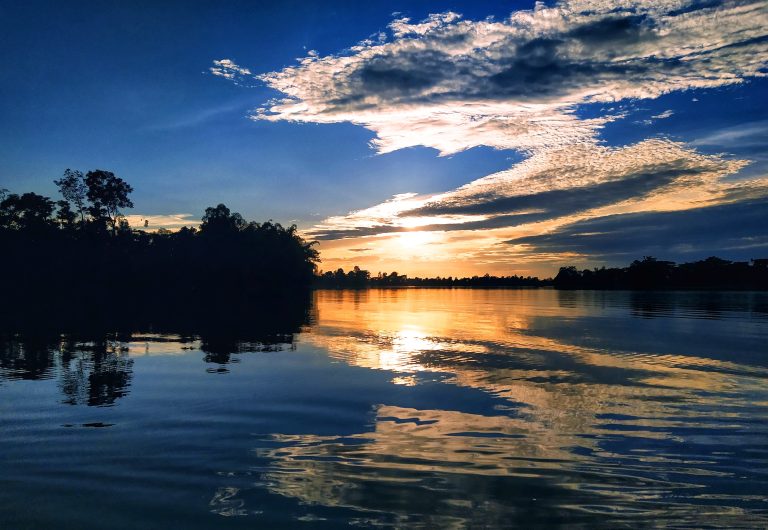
228	69
553	184
663	115
656	117
745	135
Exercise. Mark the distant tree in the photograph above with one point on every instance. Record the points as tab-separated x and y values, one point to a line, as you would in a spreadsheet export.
650	273
25	212
74	190
65	215
220	220
107	193
567	277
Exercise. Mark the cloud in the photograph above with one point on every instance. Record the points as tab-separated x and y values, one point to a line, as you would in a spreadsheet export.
661	116
453	84
157	222
666	114
753	134
501	222
227	69
735	228
657	174
520	83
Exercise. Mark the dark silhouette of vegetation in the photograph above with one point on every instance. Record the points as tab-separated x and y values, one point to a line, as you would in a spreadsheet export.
80	251
359	278
653	274
646	274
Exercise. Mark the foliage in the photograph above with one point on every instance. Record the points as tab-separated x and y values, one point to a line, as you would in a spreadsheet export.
107	194
650	273
63	251
359	278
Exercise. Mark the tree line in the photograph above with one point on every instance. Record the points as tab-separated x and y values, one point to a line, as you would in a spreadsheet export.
647	274
80	250
360	278
650	273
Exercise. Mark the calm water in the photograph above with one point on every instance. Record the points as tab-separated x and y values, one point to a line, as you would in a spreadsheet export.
436	408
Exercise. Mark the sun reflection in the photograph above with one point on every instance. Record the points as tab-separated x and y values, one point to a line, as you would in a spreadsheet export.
489	340
405	380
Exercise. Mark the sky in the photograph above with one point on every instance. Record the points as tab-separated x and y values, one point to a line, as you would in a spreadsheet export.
428	138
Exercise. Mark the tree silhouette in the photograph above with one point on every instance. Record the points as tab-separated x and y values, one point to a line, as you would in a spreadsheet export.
219	221
107	194
74	190
29	211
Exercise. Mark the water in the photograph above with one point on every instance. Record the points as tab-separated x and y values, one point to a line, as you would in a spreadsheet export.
412	407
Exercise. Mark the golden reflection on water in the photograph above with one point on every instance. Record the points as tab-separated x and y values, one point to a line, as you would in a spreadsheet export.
565	405
451	331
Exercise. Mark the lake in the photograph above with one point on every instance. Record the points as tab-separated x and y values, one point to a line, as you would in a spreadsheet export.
402	407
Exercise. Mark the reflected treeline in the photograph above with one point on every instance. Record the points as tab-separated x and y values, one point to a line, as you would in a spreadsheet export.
90	352
92	370
80	251
651	273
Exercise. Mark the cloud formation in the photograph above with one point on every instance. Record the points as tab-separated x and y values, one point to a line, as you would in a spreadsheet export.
555	184
515	83
227	69
734	228
521	83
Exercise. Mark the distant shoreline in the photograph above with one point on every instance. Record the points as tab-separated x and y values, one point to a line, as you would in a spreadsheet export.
541	287
648	274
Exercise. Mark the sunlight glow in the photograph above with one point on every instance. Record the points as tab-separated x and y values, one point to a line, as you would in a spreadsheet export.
416	240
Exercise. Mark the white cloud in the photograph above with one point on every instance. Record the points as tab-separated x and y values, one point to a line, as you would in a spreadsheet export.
662	115
227	69
453	84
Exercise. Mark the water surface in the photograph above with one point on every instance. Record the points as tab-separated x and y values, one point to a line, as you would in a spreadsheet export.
403	407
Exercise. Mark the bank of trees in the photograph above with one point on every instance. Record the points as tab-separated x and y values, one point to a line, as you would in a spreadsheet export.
359	278
80	250
654	274
647	274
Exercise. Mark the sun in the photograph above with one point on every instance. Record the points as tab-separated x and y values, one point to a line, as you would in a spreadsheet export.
414	240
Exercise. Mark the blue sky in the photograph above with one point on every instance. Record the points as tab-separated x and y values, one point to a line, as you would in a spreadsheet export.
133	87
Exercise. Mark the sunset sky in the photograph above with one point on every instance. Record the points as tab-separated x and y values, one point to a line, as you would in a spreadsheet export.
423	137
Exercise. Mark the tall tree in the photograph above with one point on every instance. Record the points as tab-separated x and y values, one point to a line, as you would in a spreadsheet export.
74	190
220	220
107	194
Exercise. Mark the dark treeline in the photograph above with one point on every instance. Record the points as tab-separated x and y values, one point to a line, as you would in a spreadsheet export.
80	250
359	278
650	273
646	274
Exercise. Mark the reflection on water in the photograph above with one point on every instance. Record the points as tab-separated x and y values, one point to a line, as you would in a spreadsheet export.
412	407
